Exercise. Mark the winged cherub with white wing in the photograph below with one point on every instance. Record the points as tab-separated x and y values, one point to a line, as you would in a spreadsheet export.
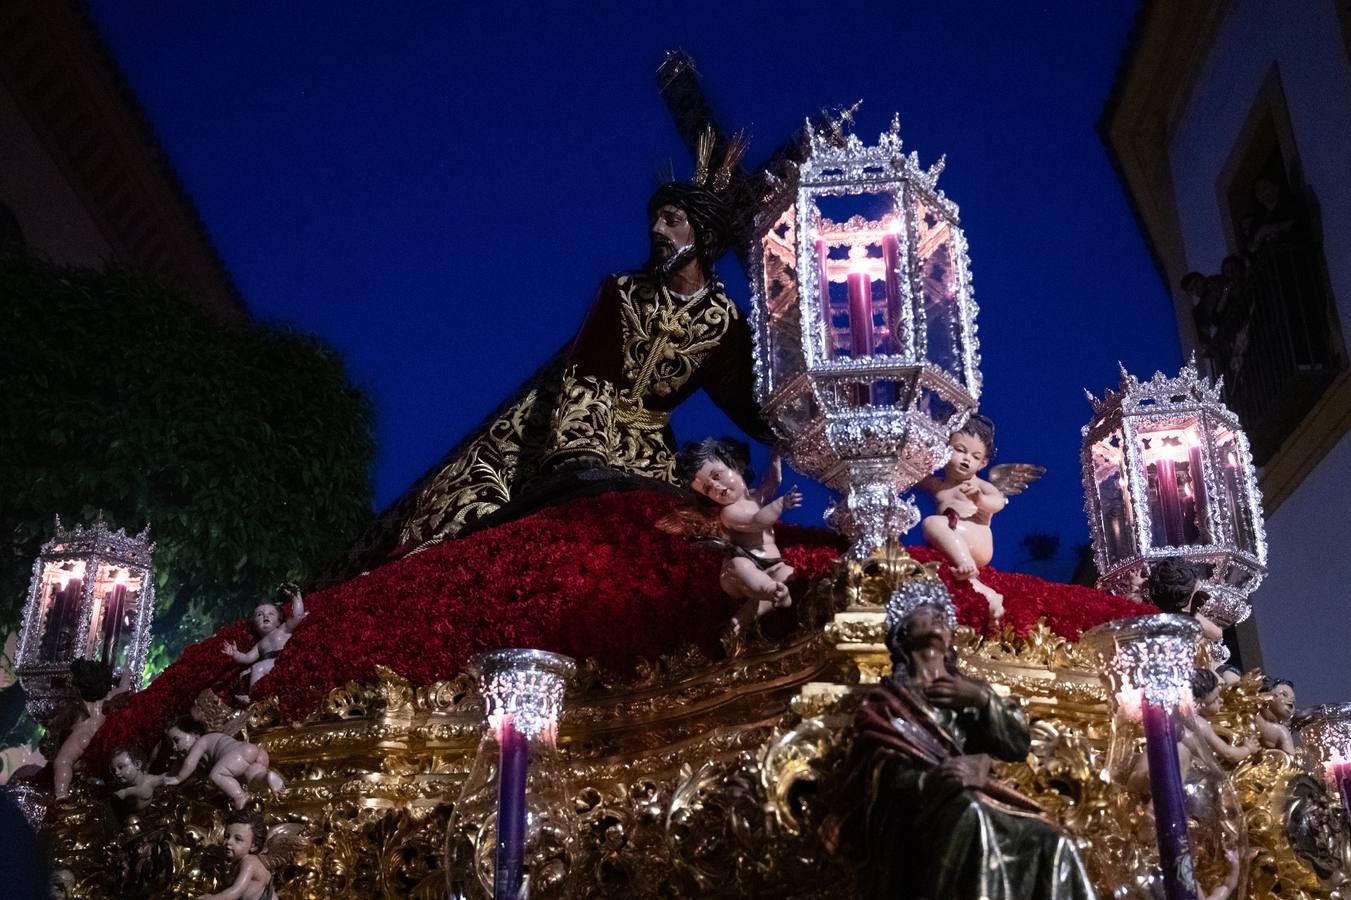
967	503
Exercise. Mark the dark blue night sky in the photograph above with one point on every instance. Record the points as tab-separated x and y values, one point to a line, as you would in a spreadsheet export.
437	189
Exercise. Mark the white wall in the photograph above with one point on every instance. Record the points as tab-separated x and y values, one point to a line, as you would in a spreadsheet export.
1303	614
1303	609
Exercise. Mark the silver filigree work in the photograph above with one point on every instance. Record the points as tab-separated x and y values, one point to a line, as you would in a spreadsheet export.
1326	736
91	596
865	323
527	685
916	593
1167	472
1146	658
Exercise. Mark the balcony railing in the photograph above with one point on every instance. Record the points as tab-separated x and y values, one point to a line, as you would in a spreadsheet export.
1267	324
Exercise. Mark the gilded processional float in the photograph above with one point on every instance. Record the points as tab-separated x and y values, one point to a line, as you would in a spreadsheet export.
531	684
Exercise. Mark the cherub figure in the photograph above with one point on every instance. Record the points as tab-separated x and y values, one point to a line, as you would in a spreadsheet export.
1273	723
1206	692
128	766
967	503
93	683
1172	586
259	852
232	761
273	633
743	527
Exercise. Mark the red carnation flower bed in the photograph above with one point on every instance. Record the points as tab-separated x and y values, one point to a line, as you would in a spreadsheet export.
589	578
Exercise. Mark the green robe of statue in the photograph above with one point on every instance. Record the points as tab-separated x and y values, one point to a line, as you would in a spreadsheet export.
942	841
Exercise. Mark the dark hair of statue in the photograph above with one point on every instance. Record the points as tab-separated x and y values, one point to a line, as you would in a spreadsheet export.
92	680
1270	684
708	215
1172	582
734	454
255	822
135	754
897	639
1203	682
188	725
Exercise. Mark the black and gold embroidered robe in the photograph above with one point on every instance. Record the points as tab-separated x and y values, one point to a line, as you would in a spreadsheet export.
605	399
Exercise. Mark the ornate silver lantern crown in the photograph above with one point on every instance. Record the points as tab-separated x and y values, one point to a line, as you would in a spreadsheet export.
916	593
1167	472
865	325
92	596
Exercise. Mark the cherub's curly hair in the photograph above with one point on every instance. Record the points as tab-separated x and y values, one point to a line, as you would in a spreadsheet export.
729	451
134	753
92	680
1270	684
255	822
982	429
1203	682
1171	583
188	725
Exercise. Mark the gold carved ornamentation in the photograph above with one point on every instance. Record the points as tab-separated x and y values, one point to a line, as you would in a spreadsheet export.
694	778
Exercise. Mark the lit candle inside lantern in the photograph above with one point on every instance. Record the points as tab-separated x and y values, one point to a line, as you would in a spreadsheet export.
1341	777
1170	805
860	314
514	763
891	259
823	276
1170	504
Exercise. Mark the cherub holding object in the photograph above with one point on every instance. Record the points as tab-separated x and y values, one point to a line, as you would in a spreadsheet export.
273	633
232	761
743	527
94	686
1273	723
1206	693
259	852
128	765
967	503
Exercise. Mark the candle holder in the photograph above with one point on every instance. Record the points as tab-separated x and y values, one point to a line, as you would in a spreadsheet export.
512	830
1326	737
865	326
1165	771
1167	472
92	596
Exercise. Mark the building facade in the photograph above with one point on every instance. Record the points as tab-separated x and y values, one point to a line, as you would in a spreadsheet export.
82	178
1229	125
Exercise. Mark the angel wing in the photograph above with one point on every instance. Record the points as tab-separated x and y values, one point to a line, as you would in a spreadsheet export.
284	843
1013	478
217	715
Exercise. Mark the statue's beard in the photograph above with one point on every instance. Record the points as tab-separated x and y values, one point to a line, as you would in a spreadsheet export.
667	258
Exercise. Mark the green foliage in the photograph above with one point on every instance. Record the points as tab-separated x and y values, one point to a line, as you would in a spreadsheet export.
242	445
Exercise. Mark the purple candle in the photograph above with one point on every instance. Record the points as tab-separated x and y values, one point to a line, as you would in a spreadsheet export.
1341	773
1170	805
823	273
890	258
514	762
1170	505
860	314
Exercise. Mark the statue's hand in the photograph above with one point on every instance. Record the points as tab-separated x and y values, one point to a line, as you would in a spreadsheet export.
792	499
230	649
955	692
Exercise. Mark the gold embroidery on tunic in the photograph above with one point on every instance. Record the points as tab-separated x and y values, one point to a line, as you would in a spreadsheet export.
663	348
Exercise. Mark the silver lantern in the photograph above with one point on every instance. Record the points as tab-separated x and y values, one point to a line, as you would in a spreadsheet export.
1167	472
92	596
865	326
